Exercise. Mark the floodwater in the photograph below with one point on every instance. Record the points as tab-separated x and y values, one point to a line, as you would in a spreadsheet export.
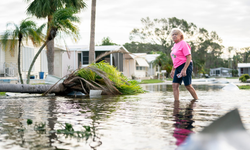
149	121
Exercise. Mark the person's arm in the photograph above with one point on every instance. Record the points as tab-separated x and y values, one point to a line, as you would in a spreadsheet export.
183	71
172	72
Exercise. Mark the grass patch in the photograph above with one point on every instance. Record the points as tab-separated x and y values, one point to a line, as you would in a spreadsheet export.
37	83
2	93
169	79
151	81
245	87
232	77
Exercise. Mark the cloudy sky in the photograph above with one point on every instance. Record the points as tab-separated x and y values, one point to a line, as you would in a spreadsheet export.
116	18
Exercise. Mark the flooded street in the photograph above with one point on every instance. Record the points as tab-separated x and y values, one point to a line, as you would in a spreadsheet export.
149	121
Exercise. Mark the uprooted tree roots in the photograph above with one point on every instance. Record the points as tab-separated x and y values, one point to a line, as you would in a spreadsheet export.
76	83
99	76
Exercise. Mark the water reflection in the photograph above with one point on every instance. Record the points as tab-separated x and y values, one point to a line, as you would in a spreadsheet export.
167	87
48	114
87	112
52	119
151	120
183	118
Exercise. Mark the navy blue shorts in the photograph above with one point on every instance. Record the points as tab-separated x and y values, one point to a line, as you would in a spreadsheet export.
187	79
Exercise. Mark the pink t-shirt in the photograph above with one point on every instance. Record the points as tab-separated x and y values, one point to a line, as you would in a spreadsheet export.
179	52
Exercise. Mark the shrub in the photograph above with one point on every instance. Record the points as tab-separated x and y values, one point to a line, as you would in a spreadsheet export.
244	77
234	72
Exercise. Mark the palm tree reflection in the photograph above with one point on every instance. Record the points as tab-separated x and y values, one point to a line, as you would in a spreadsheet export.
183	121
92	112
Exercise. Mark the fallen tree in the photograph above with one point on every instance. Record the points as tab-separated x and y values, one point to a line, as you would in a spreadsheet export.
26	88
97	76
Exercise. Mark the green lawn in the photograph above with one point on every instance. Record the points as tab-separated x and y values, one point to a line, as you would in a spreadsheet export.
2	93
245	87
232	77
151	81
169	79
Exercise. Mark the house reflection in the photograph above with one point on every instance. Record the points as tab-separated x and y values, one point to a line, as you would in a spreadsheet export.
183	121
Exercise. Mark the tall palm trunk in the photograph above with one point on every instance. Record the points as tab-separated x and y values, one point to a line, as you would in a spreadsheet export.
34	60
92	34
19	58
50	49
50	57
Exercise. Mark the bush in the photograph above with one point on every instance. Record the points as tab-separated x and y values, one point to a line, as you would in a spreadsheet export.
234	72
244	77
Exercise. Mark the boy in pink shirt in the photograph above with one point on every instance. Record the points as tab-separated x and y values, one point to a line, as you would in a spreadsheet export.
182	64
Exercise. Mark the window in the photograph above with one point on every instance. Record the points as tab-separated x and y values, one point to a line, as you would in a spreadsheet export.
241	71
140	68
85	58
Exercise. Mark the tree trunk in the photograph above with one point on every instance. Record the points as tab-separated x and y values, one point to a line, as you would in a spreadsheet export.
92	34
50	57
34	60
50	48
18	60
26	88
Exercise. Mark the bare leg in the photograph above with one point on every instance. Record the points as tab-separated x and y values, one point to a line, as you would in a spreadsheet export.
175	87
176	108
192	91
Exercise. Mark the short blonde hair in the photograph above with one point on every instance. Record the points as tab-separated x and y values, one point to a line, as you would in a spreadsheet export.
179	31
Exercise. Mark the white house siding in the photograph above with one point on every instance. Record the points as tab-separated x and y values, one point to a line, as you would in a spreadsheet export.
141	67
130	70
140	74
58	63
2	60
44	62
152	70
9	58
61	62
11	63
128	67
37	65
243	68
69	61
27	56
242	71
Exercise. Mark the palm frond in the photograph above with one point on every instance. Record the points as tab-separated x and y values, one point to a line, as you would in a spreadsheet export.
62	21
107	81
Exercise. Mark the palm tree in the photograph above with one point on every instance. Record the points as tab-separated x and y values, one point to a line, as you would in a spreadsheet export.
26	30
46	9
62	21
92	33
164	62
